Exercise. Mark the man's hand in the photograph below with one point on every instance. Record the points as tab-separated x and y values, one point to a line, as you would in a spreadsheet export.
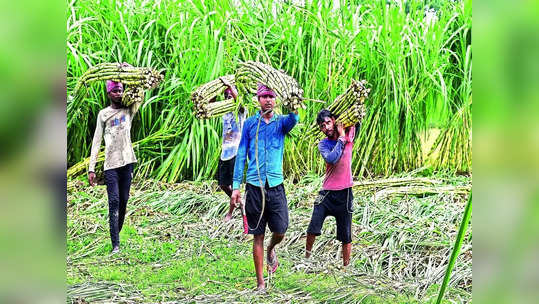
228	135
293	111
91	178
340	129
235	198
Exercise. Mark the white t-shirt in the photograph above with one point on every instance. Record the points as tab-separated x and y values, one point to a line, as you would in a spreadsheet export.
231	134
115	126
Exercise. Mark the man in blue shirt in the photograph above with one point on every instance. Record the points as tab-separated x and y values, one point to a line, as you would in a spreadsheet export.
262	142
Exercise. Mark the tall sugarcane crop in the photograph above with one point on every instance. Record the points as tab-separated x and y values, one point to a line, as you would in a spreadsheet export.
320	44
205	96
136	80
287	89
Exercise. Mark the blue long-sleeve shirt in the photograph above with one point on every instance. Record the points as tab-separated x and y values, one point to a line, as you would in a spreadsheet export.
270	150
331	150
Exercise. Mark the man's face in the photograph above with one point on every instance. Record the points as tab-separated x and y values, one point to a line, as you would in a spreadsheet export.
116	95
328	126
228	95
267	102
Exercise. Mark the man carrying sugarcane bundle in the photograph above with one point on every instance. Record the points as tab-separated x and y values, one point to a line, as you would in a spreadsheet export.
336	196
231	140
262	142
114	123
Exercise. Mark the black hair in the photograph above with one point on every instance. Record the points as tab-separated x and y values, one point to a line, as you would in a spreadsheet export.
321	117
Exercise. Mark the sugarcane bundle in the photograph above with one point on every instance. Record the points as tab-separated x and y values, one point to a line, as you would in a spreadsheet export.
354	95
287	89
133	94
349	107
136	80
215	109
205	96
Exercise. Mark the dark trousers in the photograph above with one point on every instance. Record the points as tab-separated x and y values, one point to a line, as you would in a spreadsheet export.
118	183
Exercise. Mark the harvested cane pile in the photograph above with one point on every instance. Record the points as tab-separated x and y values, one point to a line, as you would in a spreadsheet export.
287	89
136	80
401	242
349	107
204	98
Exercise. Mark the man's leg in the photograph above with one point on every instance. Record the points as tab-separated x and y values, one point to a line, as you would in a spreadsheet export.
228	190
343	217
111	180
258	257
344	234
277	221
124	185
346	249
309	244
257	227
226	175
315	226
271	257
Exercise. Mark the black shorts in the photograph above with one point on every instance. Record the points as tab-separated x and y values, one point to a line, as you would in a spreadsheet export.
338	204
275	211
225	171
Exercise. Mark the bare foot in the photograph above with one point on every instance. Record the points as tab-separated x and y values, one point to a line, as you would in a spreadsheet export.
272	261
261	288
228	217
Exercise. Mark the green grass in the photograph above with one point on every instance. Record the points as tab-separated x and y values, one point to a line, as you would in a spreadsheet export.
189	272
228	266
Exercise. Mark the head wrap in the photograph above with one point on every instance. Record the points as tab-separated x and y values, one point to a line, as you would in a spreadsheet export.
232	91
111	85
264	90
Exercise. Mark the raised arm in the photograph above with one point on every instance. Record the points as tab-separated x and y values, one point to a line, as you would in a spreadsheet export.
133	109
331	156
290	121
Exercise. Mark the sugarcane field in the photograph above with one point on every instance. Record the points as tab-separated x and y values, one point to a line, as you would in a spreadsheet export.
269	151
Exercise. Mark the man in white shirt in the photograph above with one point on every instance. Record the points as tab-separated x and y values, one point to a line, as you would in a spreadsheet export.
114	124
231	139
